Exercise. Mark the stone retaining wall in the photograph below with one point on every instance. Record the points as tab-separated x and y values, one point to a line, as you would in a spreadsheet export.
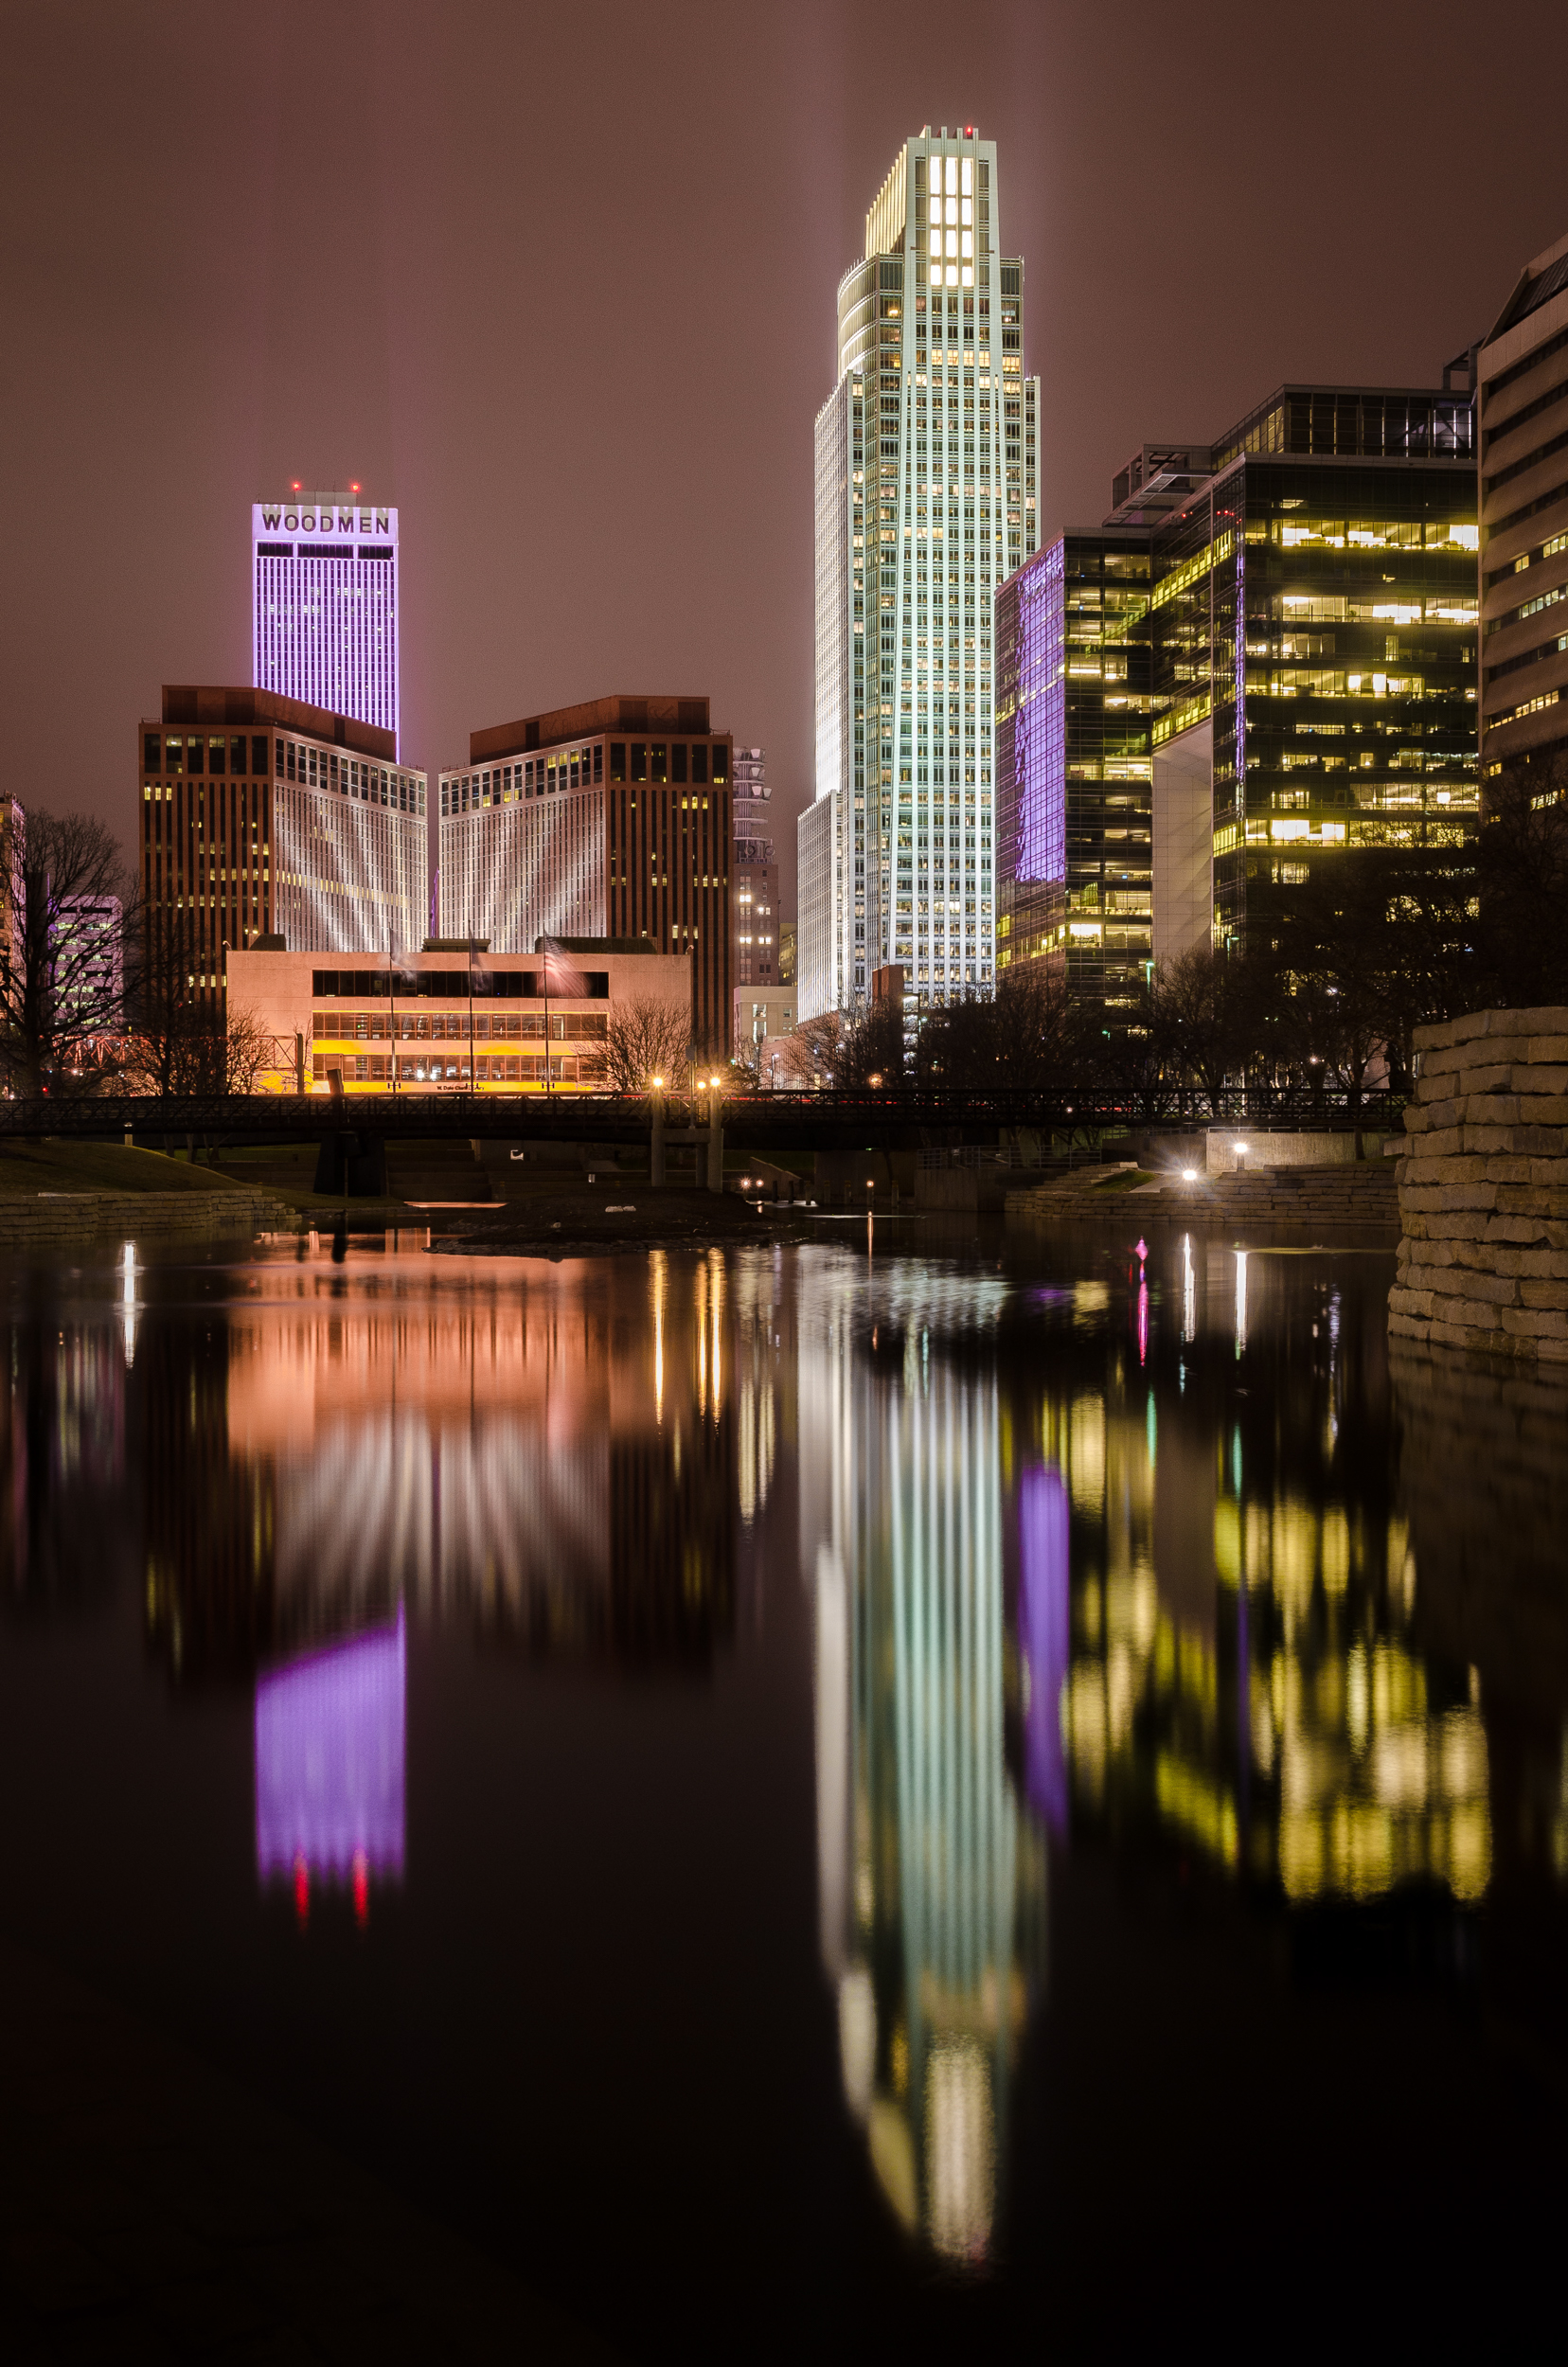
1326	1198
39	1221
1483	1187
1339	1148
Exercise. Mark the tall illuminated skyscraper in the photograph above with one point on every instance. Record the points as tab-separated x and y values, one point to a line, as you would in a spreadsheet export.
926	475
324	604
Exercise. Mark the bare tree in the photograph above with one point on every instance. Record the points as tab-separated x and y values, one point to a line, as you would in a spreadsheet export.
1196	1020
251	1052
645	1038
175	1035
812	1055
1036	1026
1019	1036
69	921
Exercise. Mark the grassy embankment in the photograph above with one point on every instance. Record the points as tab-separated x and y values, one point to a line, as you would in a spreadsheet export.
29	1168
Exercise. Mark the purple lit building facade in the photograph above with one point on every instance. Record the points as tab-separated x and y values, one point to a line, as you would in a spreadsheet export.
324	605
1073	758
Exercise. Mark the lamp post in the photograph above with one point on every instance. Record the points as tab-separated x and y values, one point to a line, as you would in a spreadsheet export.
656	1147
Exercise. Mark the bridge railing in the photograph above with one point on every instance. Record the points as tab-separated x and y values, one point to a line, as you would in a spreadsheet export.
939	1111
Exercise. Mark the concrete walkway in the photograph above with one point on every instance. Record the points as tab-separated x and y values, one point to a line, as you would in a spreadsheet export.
151	2210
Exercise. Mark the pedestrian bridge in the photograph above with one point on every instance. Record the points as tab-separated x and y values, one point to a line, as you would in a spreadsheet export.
906	1118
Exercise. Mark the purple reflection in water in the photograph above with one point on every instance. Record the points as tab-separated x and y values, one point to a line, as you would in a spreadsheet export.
330	1759
1043	1624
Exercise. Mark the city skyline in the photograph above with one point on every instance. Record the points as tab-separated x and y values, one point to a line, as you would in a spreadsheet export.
154	393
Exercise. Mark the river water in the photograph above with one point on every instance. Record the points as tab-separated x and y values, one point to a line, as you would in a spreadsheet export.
845	1788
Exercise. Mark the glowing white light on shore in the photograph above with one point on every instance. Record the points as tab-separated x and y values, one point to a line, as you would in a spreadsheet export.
128	1303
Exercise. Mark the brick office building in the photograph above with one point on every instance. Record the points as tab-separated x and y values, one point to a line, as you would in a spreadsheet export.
612	819
263	816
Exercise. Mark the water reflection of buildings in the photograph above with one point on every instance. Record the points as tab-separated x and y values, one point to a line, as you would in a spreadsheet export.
330	1755
1484	1477
931	1881
62	1453
1245	1669
532	1461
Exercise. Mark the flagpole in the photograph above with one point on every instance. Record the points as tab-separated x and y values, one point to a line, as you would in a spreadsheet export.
472	942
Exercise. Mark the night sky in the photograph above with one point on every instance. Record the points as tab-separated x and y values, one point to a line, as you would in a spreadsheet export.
560	282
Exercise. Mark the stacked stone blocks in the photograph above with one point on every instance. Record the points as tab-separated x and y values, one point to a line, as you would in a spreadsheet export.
1483	1259
41	1220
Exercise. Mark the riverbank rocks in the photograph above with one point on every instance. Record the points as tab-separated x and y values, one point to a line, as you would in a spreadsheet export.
1484	1189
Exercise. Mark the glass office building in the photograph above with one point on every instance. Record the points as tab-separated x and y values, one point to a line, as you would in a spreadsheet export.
1214	692
1073	757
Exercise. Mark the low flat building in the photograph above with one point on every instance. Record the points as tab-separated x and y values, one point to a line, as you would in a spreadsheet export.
263	816
608	819
445	1020
761	1015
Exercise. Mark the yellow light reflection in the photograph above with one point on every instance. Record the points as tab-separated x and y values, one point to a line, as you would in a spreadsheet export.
659	1264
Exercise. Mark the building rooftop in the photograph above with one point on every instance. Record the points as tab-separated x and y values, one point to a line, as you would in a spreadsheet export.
598	945
560	725
219	705
1543	278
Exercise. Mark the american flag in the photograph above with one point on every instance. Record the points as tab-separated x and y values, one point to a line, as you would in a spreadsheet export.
563	979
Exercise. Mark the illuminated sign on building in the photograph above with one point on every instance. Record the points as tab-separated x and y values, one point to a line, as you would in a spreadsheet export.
324	604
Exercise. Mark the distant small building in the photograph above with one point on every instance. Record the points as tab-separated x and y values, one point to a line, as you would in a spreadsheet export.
13	840
755	895
762	1014
88	966
445	1020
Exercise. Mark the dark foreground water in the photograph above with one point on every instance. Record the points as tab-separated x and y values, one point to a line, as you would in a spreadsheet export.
812	1796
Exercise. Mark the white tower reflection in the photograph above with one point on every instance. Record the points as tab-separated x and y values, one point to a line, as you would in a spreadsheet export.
932	1879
